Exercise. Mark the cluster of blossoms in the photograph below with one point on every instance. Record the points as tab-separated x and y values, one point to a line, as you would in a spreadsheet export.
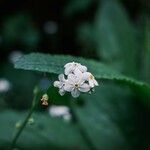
77	80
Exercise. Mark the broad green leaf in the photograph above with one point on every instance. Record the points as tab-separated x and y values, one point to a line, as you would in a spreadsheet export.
46	132
116	37
54	64
111	119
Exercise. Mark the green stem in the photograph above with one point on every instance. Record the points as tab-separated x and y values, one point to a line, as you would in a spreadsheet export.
34	103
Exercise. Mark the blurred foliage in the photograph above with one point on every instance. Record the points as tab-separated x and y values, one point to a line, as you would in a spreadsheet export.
44	133
22	83
117	120
116	37
20	28
114	32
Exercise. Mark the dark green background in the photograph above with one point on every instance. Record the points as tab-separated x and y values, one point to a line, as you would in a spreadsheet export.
115	32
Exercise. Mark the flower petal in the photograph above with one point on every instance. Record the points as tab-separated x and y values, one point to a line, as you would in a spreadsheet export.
75	93
86	75
61	92
78	76
57	84
77	72
82	68
68	70
91	83
95	82
71	79
84	87
61	77
68	87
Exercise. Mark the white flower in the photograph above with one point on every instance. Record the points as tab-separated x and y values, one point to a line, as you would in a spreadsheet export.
60	111
71	67
75	84
57	111
4	85
77	80
90	78
60	84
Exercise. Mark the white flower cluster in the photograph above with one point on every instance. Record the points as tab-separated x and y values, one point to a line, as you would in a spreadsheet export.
78	80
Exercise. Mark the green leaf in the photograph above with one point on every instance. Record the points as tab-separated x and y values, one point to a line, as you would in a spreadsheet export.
46	133
111	119
54	64
117	43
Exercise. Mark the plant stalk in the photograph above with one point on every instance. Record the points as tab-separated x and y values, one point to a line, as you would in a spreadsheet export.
23	125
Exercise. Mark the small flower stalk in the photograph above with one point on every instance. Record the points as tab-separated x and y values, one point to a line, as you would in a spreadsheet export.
77	80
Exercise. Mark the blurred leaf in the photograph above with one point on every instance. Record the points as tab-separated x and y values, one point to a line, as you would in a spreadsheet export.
75	6
116	42
20	93
55	63
112	119
46	133
19	28
145	70
86	37
116	38
112	36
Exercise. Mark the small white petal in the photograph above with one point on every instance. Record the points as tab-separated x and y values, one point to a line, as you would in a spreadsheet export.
78	76
86	75
68	87
61	92
71	78
91	83
57	84
77	72
75	93
95	82
68	70
84	87
61	77
82	68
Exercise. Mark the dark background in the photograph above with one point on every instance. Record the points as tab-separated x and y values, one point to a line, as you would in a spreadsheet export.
115	32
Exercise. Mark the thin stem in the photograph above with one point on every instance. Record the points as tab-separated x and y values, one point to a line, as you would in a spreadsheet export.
34	103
